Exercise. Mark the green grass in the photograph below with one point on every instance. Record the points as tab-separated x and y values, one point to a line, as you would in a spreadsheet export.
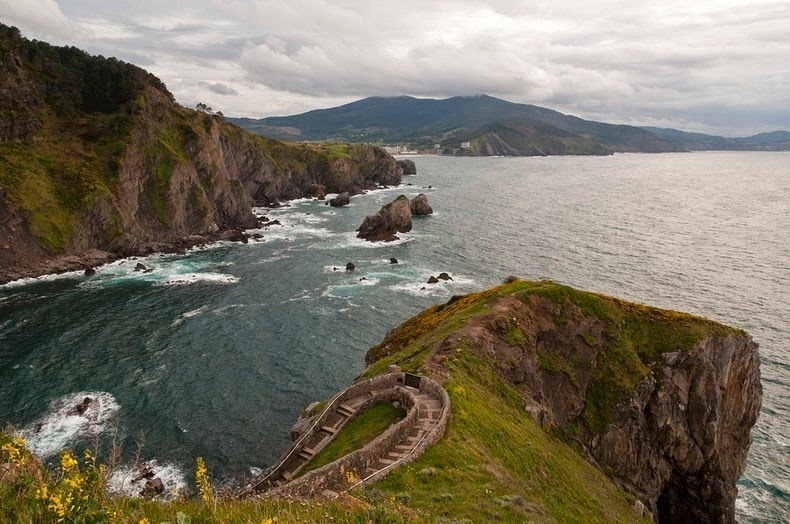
496	464
364	428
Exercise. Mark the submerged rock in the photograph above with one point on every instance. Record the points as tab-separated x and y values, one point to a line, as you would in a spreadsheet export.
394	217
350	266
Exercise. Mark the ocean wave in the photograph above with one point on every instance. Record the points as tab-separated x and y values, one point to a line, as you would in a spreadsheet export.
43	278
182	279
63	424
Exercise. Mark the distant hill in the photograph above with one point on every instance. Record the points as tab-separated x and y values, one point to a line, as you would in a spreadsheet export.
521	138
425	122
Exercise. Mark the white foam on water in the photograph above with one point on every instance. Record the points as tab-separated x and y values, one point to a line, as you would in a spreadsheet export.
191	278
164	270
44	278
440	288
58	429
122	482
350	240
189	314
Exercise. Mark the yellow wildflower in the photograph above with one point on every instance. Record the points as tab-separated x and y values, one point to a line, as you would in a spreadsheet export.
203	482
67	460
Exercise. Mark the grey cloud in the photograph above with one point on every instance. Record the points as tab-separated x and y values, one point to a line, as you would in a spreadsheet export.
616	60
221	89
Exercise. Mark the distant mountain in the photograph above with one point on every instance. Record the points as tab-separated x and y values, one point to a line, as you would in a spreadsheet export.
449	122
424	122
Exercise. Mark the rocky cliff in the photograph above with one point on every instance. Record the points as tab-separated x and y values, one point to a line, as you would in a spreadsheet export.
97	161
663	402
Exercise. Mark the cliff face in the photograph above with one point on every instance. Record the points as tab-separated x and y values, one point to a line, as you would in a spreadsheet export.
98	161
662	401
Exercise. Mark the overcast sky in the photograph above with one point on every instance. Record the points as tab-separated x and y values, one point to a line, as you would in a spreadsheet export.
712	66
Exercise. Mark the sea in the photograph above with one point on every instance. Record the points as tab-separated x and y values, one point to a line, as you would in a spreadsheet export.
215	353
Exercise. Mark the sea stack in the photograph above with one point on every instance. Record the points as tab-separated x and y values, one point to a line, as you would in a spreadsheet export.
393	218
420	206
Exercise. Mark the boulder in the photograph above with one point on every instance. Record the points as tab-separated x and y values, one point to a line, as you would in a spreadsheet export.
90	271
153	488
350	266
393	218
420	206
408	167
140	267
444	276
393	260
340	200
433	280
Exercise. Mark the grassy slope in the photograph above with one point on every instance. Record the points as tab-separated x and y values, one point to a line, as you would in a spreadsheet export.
495	462
364	428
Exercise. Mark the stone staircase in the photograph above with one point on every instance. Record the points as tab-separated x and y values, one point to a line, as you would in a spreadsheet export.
428	409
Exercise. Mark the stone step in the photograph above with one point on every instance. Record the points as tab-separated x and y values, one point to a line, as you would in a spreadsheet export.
345	410
329	430
304	456
392	455
385	461
403	448
356	402
286	475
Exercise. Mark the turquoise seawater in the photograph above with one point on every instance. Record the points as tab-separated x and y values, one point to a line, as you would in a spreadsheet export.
215	353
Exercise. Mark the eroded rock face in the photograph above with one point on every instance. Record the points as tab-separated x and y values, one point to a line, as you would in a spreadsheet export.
420	205
393	218
678	442
684	435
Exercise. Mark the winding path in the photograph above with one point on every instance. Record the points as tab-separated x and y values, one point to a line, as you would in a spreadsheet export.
428	410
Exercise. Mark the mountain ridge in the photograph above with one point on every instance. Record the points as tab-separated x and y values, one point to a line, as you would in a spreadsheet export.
425	121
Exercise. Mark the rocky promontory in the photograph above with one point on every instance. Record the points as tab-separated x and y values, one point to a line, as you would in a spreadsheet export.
662	402
135	172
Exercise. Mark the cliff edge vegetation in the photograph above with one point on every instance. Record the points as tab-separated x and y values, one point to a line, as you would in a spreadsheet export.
97	161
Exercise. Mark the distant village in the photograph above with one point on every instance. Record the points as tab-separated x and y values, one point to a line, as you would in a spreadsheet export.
435	150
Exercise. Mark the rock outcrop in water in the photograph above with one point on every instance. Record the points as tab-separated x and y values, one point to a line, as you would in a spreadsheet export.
420	206
135	172
393	218
662	401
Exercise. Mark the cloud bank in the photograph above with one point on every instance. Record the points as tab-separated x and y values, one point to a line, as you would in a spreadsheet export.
712	66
